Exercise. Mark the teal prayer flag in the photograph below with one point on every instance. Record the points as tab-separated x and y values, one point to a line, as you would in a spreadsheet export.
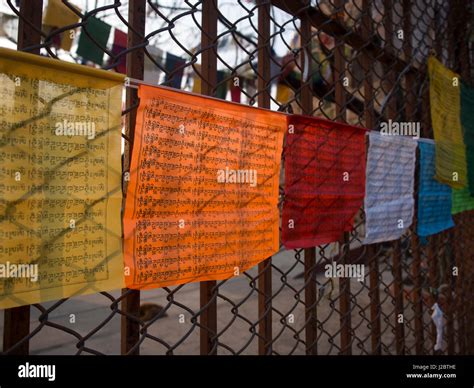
467	123
434	198
88	49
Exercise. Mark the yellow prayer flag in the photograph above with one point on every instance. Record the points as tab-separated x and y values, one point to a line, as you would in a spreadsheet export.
197	80
60	182
445	106
57	14
283	93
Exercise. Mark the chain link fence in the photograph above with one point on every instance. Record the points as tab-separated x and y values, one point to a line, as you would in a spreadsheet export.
362	62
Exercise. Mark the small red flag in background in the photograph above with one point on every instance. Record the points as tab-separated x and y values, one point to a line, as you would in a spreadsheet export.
120	45
324	180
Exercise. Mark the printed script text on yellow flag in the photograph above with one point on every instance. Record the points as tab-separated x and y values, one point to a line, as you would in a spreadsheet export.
202	202
445	106
60	183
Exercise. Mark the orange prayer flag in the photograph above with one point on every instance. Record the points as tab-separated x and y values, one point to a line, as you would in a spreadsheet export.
202	201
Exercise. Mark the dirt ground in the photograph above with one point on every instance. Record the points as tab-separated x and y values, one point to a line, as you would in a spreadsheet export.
237	313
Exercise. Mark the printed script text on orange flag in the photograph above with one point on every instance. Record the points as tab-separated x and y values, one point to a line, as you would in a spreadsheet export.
202	201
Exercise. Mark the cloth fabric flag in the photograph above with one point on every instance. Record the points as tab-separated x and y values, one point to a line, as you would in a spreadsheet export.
119	46
324	180
202	201
434	198
462	201
445	107
89	49
222	84
467	122
55	39
438	320
284	93
152	72
174	67
389	202
58	15
62	130
250	88
197	79
235	91
221	91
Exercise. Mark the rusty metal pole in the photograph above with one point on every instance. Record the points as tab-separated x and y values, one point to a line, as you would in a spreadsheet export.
369	118
340	99
310	291
130	328
396	246
17	319
410	112
264	268
433	240
463	63
208	290
449	279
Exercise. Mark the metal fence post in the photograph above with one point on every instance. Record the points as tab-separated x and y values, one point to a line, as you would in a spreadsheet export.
410	113
310	298
130	328
392	114
17	319
340	99
264	268
208	290
369	118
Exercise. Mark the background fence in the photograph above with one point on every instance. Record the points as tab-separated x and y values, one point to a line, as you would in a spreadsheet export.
361	62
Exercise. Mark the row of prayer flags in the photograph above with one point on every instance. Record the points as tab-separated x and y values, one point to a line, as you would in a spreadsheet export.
319	205
93	42
95	35
181	222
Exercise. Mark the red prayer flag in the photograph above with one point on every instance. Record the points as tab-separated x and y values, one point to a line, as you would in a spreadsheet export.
324	180
120	45
235	93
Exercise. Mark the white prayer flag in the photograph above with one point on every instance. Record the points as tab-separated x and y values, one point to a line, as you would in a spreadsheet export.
389	202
